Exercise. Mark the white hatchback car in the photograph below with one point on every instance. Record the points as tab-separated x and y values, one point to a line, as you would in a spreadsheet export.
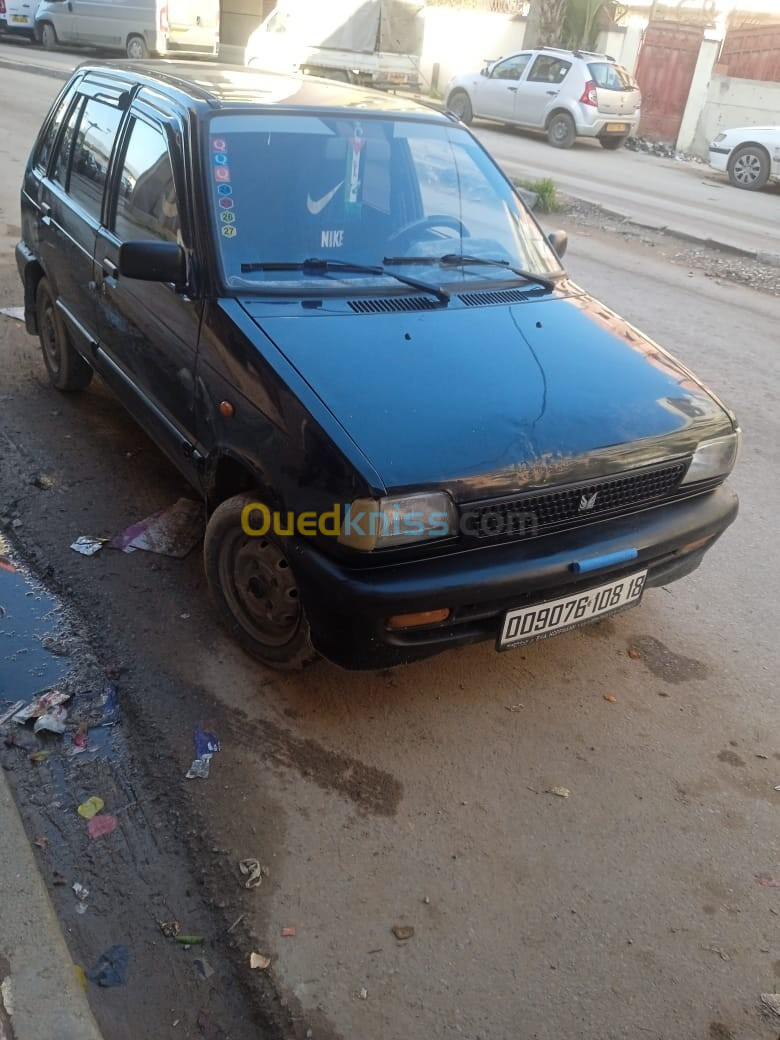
569	94
750	155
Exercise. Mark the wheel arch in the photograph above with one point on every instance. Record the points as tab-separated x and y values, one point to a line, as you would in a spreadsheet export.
228	474
750	144
33	273
558	111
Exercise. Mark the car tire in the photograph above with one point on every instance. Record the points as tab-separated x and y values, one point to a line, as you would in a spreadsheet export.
48	37
254	590
561	130
136	48
459	104
612	143
68	371
749	167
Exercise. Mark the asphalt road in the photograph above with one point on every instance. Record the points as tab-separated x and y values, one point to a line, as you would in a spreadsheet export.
419	796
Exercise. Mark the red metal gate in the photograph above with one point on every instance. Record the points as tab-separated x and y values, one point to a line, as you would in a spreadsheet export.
664	73
753	52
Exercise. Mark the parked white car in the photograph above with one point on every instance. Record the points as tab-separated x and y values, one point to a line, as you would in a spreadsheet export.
19	16
569	94
750	155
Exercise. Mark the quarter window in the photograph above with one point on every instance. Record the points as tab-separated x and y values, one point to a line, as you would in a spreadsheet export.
547	69
46	143
146	203
512	68
91	154
62	160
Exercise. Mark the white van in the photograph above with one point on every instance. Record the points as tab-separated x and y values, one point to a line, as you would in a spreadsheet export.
137	27
20	16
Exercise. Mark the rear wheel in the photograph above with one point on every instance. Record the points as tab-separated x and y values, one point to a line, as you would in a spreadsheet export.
136	48
612	143
48	36
67	369
254	590
460	105
561	130
749	167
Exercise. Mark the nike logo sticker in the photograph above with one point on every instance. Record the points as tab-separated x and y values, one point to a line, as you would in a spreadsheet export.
316	206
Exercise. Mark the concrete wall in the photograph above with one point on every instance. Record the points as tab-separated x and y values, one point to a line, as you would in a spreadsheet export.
239	20
734	102
459	40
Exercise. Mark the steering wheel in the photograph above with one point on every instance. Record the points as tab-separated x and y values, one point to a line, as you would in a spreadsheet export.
415	228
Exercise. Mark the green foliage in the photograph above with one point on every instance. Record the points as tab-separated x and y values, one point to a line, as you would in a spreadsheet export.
547	191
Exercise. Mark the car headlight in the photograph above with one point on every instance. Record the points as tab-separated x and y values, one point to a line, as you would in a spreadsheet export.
715	458
370	524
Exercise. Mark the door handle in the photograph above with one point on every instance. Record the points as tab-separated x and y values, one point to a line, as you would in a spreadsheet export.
45	210
512	90
70	5
110	270
553	93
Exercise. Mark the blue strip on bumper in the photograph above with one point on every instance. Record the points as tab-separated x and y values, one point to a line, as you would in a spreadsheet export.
595	563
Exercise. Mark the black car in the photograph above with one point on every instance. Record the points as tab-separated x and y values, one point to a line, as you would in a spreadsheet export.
333	312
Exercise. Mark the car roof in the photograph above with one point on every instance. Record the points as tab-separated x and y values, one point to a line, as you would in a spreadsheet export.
199	84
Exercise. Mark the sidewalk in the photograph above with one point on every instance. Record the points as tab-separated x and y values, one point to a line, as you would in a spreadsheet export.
40	992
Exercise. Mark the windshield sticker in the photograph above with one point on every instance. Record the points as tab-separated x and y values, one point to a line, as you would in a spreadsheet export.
357	143
332	240
227	219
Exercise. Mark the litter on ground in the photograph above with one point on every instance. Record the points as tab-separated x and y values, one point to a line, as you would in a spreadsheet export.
110	969
91	807
101	825
87	545
174	531
259	961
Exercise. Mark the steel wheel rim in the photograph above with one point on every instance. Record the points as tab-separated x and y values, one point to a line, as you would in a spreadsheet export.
50	339
136	49
260	588
747	168
560	130
458	106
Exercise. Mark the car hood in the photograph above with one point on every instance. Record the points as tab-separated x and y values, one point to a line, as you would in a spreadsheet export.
488	400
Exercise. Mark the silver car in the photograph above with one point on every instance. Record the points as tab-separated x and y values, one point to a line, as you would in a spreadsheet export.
569	94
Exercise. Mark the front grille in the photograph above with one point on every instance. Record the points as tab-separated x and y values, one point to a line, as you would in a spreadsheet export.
392	303
541	512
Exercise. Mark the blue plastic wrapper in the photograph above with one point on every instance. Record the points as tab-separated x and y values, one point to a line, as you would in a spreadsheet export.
205	743
111	967
109	705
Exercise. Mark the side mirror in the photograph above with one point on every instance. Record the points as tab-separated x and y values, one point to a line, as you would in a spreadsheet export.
153	261
559	240
484	70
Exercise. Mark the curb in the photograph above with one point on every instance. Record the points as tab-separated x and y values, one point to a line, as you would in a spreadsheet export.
40	995
35	70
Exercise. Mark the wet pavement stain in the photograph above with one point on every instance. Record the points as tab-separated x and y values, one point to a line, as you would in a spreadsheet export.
731	758
28	619
666	664
372	790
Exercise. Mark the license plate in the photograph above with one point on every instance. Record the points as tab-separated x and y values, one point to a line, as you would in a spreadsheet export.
527	624
616	128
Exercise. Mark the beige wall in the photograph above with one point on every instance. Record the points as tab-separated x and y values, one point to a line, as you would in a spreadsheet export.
239	19
461	40
734	102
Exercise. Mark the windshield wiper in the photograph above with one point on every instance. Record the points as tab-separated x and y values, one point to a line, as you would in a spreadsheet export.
317	265
456	259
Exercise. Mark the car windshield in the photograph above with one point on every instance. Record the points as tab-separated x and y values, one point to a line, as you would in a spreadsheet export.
362	191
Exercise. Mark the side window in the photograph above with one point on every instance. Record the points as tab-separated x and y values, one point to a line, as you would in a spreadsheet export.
91	154
62	159
547	69
46	143
146	204
512	68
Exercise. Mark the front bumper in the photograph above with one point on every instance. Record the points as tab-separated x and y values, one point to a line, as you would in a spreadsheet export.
719	158
347	607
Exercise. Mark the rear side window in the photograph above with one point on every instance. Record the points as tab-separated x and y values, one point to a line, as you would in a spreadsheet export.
91	154
146	206
611	77
46	143
547	69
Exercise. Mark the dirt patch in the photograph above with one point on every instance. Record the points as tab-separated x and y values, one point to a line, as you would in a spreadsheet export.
731	758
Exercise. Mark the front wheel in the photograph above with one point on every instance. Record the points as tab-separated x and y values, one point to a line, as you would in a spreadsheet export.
612	143
136	48
749	168
254	590
67	369
460	106
48	37
561	130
